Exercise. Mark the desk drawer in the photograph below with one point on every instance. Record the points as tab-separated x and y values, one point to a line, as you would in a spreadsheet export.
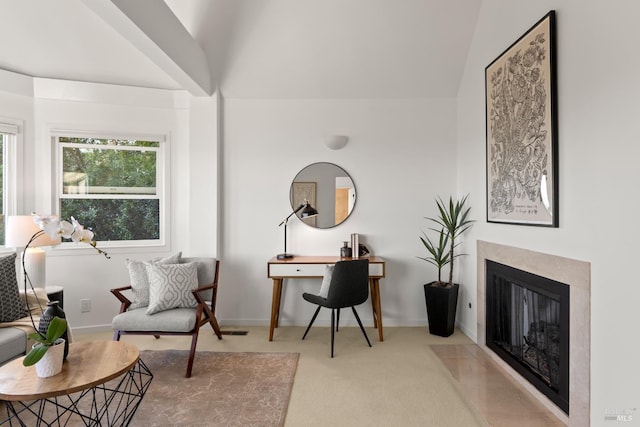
314	270
376	269
296	270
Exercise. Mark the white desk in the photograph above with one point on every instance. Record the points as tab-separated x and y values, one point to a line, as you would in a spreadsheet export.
300	267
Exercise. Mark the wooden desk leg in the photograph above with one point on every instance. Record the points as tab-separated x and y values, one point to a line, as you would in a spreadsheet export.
375	302
372	292
275	306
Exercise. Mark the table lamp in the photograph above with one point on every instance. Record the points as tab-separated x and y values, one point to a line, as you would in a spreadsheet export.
20	229
307	212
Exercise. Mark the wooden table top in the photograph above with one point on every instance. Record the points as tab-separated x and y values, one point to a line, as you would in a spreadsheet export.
88	364
321	259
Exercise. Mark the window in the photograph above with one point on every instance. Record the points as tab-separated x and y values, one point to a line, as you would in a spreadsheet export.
2	181
8	173
112	186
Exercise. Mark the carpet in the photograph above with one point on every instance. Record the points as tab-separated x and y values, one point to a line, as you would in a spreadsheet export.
225	389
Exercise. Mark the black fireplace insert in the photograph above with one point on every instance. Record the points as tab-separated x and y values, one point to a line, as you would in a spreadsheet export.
527	321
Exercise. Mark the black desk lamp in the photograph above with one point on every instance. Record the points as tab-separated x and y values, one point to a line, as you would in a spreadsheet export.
307	212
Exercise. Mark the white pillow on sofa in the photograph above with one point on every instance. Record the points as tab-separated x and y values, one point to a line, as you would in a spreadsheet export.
170	286
326	281
139	280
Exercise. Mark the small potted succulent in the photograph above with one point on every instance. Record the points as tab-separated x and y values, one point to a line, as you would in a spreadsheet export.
48	351
442	296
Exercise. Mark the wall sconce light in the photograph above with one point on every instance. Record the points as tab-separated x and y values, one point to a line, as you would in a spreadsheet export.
336	142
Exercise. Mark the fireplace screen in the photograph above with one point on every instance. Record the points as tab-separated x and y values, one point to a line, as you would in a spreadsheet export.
528	327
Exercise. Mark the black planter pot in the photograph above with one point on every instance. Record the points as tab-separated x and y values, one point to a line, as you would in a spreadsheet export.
441	308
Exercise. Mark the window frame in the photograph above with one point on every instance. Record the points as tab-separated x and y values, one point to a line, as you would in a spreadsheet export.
13	174
162	183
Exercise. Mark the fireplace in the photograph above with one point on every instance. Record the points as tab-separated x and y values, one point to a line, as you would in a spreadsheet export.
577	276
527	325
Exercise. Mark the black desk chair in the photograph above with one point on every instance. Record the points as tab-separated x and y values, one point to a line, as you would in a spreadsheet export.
349	287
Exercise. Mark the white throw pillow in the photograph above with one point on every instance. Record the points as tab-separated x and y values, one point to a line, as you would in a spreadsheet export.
326	281
139	280
170	286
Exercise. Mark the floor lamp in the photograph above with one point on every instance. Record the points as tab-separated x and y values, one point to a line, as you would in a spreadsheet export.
307	212
22	231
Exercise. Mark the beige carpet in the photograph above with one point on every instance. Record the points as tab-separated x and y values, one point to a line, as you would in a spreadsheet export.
226	389
397	382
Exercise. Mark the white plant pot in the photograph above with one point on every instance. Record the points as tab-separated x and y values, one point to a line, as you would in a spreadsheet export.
51	362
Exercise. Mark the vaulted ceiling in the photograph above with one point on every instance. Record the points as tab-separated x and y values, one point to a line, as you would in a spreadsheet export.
246	48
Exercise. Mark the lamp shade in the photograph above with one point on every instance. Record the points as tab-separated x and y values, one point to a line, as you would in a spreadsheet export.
20	229
308	211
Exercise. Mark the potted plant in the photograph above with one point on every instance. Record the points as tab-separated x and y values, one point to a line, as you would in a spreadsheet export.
442	296
48	351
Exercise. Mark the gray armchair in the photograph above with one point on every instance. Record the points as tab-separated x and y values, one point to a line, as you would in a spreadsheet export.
176	321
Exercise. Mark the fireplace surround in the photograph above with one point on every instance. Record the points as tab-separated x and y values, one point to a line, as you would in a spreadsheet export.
575	274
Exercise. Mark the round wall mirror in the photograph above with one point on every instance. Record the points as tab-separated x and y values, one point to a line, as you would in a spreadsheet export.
329	189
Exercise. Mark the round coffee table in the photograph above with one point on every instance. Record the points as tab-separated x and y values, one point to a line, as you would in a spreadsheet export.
101	383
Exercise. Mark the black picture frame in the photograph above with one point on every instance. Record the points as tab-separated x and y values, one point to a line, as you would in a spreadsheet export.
522	130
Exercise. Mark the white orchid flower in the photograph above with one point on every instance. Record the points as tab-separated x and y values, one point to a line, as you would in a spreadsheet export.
43	220
86	236
80	234
55	228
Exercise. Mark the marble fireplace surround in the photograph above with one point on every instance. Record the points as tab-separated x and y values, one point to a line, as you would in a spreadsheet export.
576	274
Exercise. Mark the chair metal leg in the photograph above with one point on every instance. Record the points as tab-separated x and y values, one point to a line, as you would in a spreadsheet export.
333	315
312	320
361	327
338	320
116	336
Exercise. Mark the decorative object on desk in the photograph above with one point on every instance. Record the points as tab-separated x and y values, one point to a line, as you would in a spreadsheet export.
362	249
355	244
327	187
48	352
345	250
441	297
522	130
52	311
307	211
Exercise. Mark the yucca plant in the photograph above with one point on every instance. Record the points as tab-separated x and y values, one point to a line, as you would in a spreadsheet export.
438	254
453	220
56	329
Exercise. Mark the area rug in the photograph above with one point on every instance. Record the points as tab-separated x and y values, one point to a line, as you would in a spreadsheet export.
225	389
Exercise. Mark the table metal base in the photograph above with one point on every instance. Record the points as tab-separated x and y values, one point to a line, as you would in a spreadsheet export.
110	404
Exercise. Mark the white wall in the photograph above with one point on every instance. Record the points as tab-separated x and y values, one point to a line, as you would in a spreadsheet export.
16	107
191	128
400	155
598	94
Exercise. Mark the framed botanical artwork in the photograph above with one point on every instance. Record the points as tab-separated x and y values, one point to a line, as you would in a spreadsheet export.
301	191
522	130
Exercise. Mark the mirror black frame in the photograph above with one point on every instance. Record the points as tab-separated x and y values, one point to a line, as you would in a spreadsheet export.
307	185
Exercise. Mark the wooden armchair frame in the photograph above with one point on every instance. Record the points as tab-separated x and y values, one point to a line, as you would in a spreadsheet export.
204	312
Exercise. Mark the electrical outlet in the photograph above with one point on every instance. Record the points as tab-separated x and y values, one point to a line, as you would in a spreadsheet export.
85	305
